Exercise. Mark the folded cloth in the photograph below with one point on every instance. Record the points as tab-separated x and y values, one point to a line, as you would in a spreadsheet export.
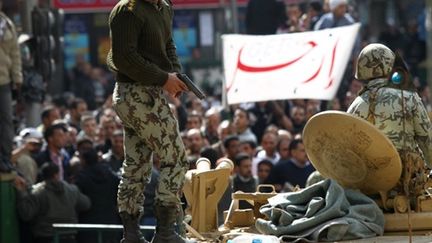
322	212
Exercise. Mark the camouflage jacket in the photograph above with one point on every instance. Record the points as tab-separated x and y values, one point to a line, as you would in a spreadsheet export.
390	119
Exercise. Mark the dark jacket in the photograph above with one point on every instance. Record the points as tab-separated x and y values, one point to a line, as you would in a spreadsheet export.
263	17
286	171
113	162
99	183
51	202
44	157
142	48
248	186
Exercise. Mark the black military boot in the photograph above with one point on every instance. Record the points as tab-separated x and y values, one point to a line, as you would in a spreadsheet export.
131	230
165	229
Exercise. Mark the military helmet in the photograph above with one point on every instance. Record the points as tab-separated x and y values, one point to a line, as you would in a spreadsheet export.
374	61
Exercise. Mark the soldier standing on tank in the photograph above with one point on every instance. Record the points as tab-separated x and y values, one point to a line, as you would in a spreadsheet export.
143	56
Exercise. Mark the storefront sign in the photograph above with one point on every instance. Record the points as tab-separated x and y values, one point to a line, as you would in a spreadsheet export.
105	5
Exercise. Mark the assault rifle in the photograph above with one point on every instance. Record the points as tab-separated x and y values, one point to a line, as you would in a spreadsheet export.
191	85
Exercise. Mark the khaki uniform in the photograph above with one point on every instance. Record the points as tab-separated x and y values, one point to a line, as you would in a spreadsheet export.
149	127
10	56
142	54
10	72
406	124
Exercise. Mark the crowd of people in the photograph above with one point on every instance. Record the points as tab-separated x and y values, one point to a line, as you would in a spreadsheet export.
75	146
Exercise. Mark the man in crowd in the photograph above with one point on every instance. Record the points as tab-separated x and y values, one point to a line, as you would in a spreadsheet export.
193	120
107	126
225	129
231	147
287	174
243	180
337	17
298	116
55	136
248	147
99	183
269	152
196	143
23	156
212	121
283	148
50	201
264	168
89	128
115	155
77	109
48	116
242	125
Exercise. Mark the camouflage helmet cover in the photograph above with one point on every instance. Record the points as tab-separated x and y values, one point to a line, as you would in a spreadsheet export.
374	61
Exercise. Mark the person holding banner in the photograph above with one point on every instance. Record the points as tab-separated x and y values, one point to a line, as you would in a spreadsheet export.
389	101
143	57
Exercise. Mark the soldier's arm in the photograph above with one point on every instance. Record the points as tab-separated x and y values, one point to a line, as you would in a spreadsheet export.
171	50
172	55
125	30
423	129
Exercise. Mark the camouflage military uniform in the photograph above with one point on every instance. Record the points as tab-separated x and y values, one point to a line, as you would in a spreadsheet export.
142	54
398	113
389	115
414	140
149	127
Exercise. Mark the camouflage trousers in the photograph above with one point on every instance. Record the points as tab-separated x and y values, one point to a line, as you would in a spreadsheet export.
149	127
414	176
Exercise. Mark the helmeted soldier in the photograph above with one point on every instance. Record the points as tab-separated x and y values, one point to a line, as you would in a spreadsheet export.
389	101
143	56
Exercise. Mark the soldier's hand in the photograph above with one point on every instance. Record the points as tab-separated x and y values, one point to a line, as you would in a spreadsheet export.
174	86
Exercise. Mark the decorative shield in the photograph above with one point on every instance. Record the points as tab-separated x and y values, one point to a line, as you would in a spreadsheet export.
352	151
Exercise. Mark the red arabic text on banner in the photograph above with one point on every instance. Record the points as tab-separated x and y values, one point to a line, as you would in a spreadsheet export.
307	65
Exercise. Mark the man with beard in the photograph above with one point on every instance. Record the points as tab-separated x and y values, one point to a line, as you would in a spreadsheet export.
196	143
298	116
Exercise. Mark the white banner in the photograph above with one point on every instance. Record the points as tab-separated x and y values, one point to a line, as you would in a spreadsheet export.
307	65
